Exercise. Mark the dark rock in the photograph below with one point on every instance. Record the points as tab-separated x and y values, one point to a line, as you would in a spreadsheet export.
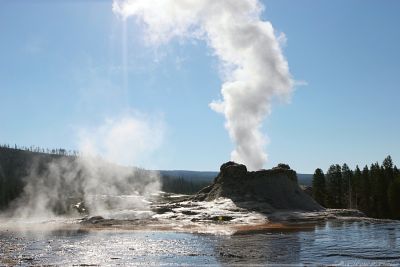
230	255
283	166
222	218
189	212
233	170
162	210
264	190
349	213
308	190
202	194
93	220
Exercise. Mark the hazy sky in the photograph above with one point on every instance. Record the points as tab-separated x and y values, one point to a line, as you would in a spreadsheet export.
66	67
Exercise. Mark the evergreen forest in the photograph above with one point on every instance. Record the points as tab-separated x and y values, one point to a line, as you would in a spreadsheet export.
374	189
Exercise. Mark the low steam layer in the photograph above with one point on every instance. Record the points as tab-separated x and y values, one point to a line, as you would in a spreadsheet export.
55	183
248	49
53	188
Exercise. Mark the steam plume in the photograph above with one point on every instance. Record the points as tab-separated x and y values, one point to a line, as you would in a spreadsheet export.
249	52
128	139
54	183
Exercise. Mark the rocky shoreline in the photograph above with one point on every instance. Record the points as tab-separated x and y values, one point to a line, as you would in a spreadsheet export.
237	201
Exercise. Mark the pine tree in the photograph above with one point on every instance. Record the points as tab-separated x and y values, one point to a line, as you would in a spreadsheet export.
318	186
375	189
334	186
387	177
365	191
388	163
356	185
347	176
396	171
394	198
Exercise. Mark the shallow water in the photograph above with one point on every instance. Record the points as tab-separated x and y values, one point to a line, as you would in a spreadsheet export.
334	242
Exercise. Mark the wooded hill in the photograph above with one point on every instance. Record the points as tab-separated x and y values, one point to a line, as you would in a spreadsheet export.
17	163
374	190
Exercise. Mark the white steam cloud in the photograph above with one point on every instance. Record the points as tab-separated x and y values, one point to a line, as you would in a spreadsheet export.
128	139
248	49
55	183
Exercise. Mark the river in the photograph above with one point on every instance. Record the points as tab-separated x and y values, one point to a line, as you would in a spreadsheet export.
330	243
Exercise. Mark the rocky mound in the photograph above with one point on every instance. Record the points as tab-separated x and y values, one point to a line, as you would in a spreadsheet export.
265	190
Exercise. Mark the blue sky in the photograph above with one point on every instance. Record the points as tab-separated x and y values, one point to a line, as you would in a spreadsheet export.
61	69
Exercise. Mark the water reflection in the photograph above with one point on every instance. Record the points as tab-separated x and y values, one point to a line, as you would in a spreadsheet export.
392	240
334	242
262	248
356	243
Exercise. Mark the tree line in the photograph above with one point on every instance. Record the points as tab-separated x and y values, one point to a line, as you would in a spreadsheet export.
179	185
37	149
16	163
374	190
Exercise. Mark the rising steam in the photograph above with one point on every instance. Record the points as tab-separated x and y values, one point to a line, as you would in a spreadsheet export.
55	183
128	139
249	52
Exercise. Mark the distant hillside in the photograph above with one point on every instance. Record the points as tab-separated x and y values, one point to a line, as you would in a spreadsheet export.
16	165
305	179
208	176
190	175
185	182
